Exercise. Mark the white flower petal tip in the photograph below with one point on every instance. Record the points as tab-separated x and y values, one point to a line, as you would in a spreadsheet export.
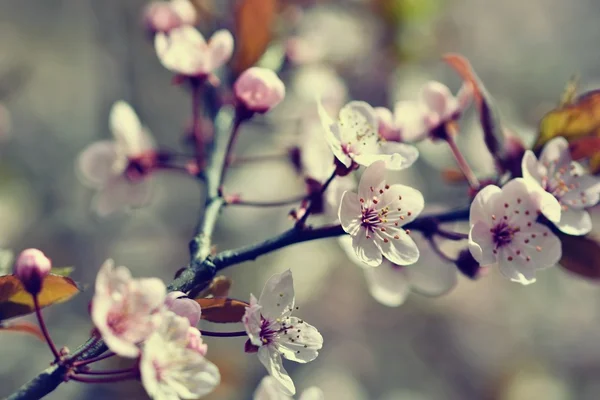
259	89
375	216
169	370
126	310
565	187
119	170
269	389
504	232
355	138
184	51
274	333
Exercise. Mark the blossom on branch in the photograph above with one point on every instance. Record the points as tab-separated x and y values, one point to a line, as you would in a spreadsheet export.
390	284
163	16
119	169
169	370
183	306
354	138
184	51
375	216
567	182
273	332
413	121
259	89
126	310
504	231
269	389
31	267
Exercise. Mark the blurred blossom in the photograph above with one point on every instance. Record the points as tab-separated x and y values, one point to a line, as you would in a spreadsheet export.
163	16
273	332
268	389
259	89
319	81
126	310
119	169
504	232
334	34
5	123
375	216
184	51
354	138
390	284
566	183
169	370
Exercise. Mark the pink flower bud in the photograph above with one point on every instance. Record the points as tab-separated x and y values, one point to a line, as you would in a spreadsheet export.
259	89
161	17
183	306
31	267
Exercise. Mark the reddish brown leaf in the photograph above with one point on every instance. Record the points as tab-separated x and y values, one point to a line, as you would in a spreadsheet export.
24	327
222	310
253	31
580	255
489	117
16	301
453	175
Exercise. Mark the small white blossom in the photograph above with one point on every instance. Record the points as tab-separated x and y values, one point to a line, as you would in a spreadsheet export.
273	332
504	232
567	182
390	284
107	165
184	51
354	138
374	218
170	370
269	389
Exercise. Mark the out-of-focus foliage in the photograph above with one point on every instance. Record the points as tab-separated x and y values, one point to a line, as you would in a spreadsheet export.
16	301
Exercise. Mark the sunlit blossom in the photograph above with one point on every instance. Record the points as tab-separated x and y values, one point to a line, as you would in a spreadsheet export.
374	218
567	182
273	332
269	389
504	232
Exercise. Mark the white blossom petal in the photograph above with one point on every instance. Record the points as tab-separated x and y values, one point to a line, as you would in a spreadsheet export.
269	389
312	393
366	250
401	251
95	163
481	207
271	359
349	212
575	222
481	245
372	178
301	342
388	284
277	298
432	278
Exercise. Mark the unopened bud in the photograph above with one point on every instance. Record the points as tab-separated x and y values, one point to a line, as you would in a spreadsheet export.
162	16
468	265
183	306
259	90
31	267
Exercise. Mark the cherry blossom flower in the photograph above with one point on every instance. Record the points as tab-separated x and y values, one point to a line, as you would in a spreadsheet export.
269	389
565	180
183	306
126	310
163	16
184	51
273	332
413	121
195	342
259	89
169	370
119	169
374	218
390	284
354	138
504	232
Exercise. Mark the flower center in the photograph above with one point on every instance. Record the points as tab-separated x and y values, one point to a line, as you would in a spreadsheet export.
370	218
502	234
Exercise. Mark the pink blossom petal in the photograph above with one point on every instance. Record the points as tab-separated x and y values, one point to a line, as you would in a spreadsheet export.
556	150
220	47
387	128
253	322
127	129
271	359
95	163
122	193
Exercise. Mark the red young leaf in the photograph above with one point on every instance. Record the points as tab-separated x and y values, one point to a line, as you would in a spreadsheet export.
16	301
222	310
24	327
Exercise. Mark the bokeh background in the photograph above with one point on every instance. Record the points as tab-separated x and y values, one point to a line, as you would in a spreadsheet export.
65	62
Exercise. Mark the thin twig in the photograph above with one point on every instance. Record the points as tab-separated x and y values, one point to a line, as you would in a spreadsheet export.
462	162
40	318
224	334
300	223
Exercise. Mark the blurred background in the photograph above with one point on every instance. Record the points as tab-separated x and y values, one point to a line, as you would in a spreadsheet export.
65	62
